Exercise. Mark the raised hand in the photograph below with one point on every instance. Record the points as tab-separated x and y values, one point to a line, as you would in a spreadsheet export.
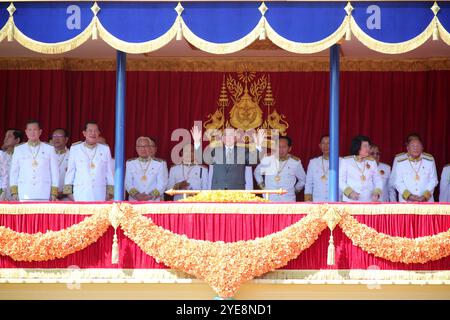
196	133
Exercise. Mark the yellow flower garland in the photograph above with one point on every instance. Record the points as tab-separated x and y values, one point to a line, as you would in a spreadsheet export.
51	245
223	196
396	249
224	266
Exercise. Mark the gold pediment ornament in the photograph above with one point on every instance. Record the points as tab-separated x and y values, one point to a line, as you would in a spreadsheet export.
246	102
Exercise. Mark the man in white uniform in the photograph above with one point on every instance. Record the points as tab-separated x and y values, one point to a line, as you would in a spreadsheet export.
316	187
403	156
89	174
59	140
12	138
444	192
416	175
389	193
188	175
34	171
284	173
4	176
146	177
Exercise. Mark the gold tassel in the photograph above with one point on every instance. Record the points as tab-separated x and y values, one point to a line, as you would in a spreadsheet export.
262	32
331	252
115	251
95	30
179	32
348	33
435	32
10	30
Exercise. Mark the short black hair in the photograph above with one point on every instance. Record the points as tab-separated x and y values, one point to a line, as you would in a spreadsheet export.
412	136
90	122
18	134
356	144
324	136
32	121
288	139
66	134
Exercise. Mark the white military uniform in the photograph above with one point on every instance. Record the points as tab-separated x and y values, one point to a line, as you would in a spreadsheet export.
89	175
444	192
417	177
196	175
6	195
285	174
4	175
34	171
63	163
148	176
316	187
392	178
389	194
362	177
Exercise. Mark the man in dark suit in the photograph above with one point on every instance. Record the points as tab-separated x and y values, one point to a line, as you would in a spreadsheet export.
228	161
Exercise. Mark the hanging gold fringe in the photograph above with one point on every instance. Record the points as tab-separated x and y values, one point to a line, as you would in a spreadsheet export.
54	48
392	48
55	208
222	48
312	47
443	33
141	47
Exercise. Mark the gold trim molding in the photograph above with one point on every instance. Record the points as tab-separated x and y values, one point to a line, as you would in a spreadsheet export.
201	64
331	276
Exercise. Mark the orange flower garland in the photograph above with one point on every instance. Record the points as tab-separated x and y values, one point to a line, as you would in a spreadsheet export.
396	249
224	266
51	245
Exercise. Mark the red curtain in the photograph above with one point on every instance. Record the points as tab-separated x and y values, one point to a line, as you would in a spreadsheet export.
383	105
230	228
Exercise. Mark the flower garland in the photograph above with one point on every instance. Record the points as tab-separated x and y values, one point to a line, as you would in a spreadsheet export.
396	249
224	266
223	196
51	245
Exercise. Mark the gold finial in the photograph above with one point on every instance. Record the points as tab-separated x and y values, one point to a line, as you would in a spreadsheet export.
263	8
435	8
348	8
11	9
223	98
179	9
95	8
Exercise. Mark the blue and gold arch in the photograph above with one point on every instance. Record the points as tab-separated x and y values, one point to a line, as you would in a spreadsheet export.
224	27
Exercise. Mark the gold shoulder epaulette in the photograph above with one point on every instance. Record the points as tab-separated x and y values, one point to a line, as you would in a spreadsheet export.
19	144
428	159
370	158
348	157
427	154
159	160
295	158
400	154
131	159
400	160
75	143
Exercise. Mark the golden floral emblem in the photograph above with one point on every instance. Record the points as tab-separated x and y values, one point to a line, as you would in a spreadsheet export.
248	94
